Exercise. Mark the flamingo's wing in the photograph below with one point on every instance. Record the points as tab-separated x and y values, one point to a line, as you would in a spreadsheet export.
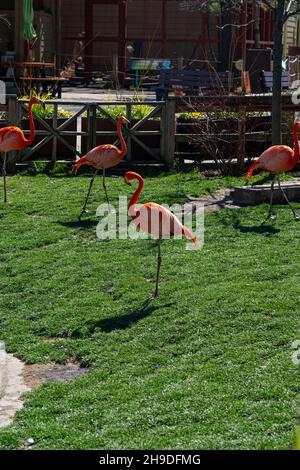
11	138
104	156
158	221
277	159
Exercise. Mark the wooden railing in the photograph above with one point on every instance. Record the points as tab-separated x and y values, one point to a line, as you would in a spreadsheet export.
83	126
242	106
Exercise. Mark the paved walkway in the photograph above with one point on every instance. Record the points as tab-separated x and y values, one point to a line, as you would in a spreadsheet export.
12	386
214	201
96	94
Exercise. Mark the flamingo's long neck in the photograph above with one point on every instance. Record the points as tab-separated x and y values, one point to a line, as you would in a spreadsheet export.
29	141
132	205
296	144
122	141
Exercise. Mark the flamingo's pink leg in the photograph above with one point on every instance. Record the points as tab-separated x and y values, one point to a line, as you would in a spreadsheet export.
104	186
4	177
296	216
84	211
271	214
159	260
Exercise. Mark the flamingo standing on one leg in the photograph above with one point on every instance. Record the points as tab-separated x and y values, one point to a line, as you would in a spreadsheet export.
278	159
156	220
12	138
103	157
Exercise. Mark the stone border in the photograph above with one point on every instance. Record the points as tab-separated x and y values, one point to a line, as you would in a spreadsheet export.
240	196
260	194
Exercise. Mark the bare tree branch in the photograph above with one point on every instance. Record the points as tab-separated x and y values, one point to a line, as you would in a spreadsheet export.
5	20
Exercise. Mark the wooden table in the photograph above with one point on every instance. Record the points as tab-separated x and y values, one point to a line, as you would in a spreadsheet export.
34	64
34	74
34	69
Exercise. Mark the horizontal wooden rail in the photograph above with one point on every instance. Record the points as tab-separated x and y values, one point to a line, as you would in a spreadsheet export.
231	137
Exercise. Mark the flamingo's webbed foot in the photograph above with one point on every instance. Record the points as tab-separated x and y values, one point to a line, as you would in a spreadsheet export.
84	212
153	295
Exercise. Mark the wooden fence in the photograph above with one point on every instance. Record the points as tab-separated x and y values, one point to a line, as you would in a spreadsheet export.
84	129
242	107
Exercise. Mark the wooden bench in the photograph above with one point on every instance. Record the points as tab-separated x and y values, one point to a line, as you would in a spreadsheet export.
267	81
19	85
193	82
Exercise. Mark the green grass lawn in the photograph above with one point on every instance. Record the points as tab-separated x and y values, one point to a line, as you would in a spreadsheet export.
206	365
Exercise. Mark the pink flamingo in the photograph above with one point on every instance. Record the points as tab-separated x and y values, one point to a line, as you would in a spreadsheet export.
101	158
155	220
12	139
278	159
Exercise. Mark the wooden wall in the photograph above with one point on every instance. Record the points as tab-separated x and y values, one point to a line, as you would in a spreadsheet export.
7	33
44	48
184	34
290	34
72	24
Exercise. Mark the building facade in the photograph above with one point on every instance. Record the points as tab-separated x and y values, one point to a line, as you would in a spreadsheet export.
100	30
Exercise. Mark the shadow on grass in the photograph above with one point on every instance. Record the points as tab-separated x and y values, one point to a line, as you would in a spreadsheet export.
122	322
264	228
79	224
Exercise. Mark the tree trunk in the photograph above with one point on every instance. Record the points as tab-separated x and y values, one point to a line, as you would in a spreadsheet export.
208	32
256	17
226	34
277	73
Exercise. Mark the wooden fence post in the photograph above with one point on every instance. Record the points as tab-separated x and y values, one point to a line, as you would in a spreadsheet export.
116	68
13	118
242	139
129	140
54	144
92	129
168	132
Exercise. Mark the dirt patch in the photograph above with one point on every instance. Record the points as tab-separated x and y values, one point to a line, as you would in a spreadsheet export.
16	379
37	374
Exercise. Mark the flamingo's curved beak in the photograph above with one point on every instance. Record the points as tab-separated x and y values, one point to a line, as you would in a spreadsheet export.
75	169
78	164
42	104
